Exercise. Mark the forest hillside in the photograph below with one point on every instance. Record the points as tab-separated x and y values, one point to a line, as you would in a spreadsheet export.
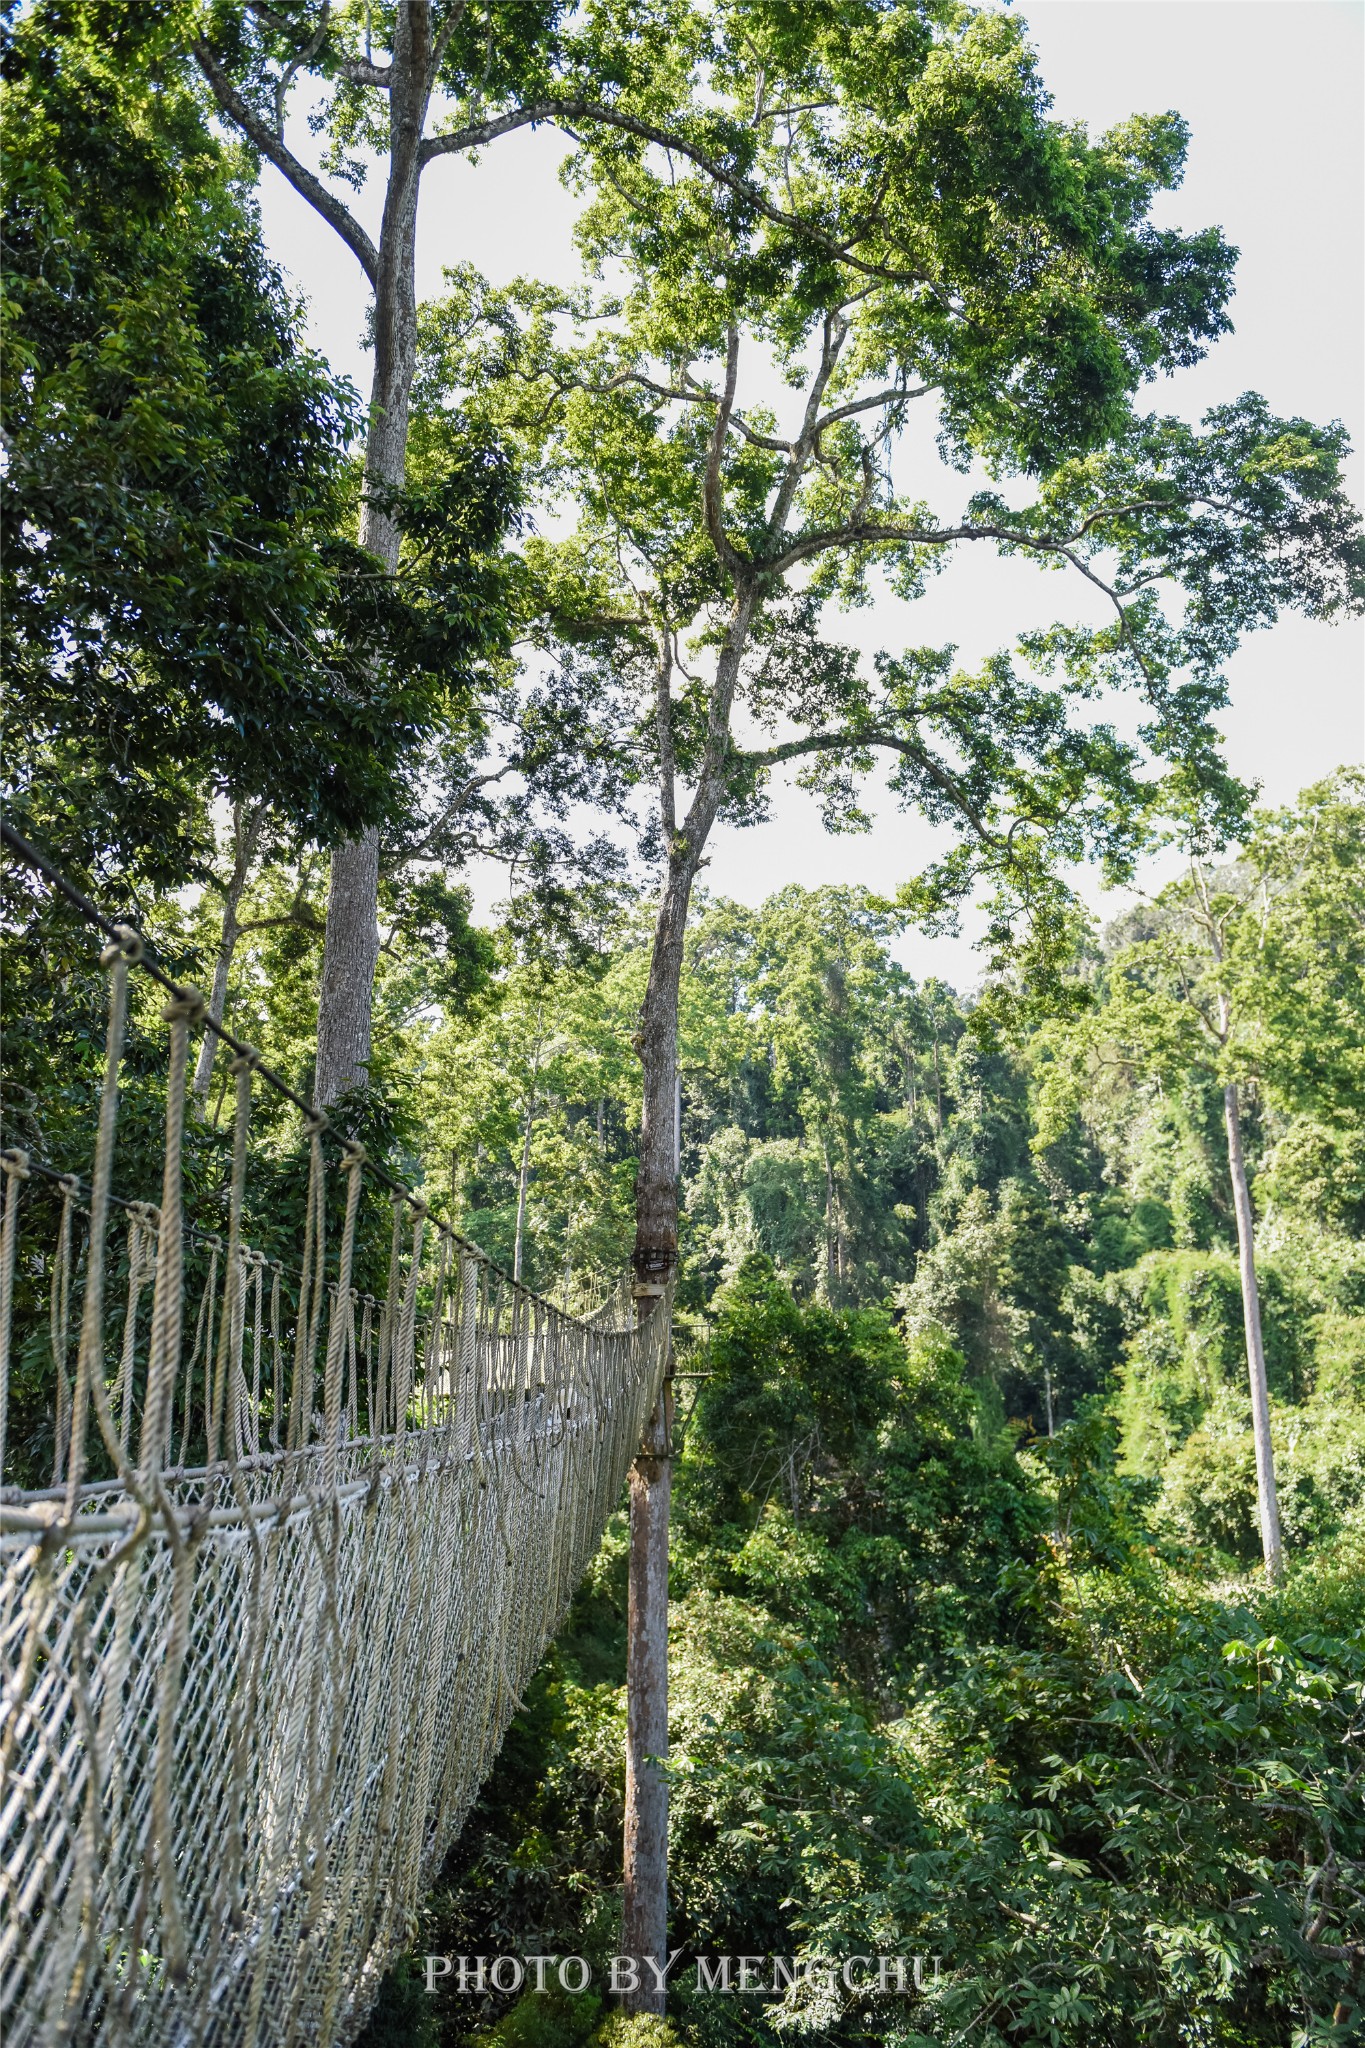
973	1657
1000	1347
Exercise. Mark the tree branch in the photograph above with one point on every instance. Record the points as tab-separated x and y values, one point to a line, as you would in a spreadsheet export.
833	335
877	398
360	71
562	111
851	740
663	715
711	498
273	148
442	42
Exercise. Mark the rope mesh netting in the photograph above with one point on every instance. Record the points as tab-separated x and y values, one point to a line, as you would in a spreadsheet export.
248	1702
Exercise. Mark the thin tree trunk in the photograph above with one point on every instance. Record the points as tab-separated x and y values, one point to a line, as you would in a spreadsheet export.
830	1231
656	1181
644	1934
246	833
350	949
524	1173
645	1900
522	1178
938	1087
1266	1496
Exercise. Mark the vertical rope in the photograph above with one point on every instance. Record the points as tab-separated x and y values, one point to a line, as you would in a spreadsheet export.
142	1221
59	1317
15	1166
277	1365
406	1354
310	1284
352	1390
353	1166
167	1304
203	1342
388	1318
257	1275
432	1353
367	1346
230	1332
90	1357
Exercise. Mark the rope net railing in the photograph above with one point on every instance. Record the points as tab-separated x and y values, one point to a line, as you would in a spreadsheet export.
293	1552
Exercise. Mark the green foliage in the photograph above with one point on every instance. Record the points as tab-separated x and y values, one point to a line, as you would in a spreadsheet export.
183	616
402	2016
943	1684
1101	1795
549	2019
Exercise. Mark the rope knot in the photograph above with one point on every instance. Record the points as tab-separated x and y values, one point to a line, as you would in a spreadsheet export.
186	1004
70	1184
316	1121
246	1062
15	1162
356	1155
125	945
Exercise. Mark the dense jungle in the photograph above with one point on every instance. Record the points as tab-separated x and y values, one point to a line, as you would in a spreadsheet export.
1017	1558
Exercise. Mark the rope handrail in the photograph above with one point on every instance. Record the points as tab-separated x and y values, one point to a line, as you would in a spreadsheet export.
314	1118
256	1669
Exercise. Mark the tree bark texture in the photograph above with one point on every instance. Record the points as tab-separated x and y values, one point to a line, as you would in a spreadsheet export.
656	1180
645	1900
350	948
644	1931
644	1934
350	954
1267	1499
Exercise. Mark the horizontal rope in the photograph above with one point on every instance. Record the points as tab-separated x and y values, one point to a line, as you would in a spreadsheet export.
255	1674
315	1119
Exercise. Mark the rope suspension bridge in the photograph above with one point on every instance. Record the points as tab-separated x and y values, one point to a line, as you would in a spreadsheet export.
248	1701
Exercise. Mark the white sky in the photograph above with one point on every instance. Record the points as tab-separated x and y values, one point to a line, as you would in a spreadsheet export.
1274	92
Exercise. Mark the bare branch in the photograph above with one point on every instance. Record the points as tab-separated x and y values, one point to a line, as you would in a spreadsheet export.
833	336
690	393
711	497
853	739
304	56
273	148
415	848
870	404
360	71
442	42
663	716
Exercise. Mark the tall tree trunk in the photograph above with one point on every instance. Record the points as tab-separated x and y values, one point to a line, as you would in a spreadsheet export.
938	1088
350	947
1267	1499
644	1933
246	834
656	1180
645	1903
